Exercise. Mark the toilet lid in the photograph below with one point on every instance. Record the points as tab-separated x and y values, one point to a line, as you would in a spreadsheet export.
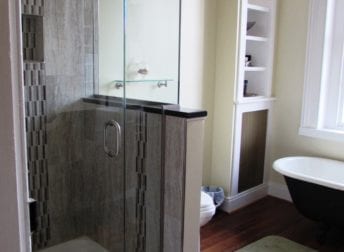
206	201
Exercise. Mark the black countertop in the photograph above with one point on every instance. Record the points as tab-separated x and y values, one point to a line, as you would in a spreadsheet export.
147	106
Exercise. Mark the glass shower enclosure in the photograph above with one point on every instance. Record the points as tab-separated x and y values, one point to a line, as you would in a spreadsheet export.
95	82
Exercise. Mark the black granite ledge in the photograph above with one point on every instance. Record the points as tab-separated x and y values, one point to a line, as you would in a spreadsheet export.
178	111
147	106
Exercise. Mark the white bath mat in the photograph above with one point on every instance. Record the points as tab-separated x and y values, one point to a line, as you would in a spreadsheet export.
275	244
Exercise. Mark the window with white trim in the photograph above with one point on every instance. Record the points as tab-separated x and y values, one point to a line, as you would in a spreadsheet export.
323	99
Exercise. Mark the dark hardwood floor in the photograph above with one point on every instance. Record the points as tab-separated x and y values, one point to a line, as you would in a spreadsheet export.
268	216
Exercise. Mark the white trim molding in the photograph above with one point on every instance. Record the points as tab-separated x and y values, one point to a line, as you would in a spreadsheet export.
314	63
248	197
324	68
245	198
326	134
14	217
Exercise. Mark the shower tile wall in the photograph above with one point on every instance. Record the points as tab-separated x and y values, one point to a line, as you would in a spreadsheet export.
174	184
68	53
58	72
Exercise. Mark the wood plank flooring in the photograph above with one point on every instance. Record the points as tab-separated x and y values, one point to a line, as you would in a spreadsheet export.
268	216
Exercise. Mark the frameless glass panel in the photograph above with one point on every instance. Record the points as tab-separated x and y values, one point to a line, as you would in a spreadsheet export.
111	47
151	79
152	50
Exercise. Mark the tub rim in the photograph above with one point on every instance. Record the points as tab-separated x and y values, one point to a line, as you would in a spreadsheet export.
306	178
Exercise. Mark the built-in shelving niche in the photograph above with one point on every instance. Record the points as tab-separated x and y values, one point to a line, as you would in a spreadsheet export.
257	44
261	17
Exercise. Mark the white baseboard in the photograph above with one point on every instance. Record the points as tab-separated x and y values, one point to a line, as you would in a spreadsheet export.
240	200
279	191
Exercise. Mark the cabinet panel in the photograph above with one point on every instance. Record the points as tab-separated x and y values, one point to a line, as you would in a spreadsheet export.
252	151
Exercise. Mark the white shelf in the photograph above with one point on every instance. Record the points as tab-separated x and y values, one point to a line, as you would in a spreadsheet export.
255	69
257	8
255	99
256	38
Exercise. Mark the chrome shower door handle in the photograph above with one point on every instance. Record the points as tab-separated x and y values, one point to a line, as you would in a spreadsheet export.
109	151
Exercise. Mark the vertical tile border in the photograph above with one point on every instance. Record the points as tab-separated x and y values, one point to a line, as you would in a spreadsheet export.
36	118
141	133
33	7
36	141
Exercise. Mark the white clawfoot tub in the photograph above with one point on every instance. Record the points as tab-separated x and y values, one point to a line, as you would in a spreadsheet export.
316	186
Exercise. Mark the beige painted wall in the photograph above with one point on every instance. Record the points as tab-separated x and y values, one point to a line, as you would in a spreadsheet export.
225	79
208	77
288	89
198	65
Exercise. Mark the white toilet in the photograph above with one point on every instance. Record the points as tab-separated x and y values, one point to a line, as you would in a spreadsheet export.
207	208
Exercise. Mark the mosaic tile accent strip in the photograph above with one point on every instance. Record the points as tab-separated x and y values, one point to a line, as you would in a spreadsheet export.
141	133
33	7
32	28
36	137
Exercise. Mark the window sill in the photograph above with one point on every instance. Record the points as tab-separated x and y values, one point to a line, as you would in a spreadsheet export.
327	134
